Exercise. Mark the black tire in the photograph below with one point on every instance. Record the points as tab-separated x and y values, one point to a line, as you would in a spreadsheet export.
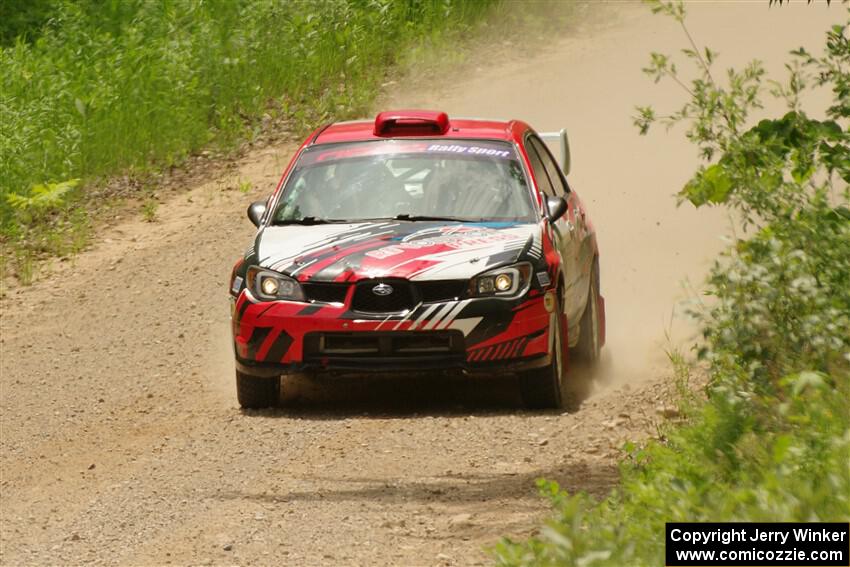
543	388
588	347
255	392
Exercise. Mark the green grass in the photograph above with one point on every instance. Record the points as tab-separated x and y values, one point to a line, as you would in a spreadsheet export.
93	89
149	209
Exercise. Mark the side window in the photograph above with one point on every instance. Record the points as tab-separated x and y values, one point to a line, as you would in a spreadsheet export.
540	174
551	166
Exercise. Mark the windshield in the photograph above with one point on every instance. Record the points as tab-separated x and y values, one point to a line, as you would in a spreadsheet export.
464	180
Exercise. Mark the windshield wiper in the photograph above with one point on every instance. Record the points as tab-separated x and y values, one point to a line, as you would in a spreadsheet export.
308	221
409	217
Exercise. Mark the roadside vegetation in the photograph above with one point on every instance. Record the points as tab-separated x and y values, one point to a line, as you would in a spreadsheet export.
91	90
770	440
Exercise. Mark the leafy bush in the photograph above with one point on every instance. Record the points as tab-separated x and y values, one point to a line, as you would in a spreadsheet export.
772	441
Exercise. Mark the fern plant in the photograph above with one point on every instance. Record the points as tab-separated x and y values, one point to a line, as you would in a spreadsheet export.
41	200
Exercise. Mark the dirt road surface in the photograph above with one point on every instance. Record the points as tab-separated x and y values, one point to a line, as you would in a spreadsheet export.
121	439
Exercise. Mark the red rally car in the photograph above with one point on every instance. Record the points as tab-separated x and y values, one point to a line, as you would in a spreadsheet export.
413	242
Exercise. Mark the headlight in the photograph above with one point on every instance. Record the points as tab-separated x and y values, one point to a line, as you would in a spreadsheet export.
504	282
509	281
269	285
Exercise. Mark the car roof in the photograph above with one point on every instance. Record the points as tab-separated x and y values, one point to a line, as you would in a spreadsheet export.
456	128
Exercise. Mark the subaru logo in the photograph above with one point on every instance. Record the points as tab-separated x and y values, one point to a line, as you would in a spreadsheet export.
382	289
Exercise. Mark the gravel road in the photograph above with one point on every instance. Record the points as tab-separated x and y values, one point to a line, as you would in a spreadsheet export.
120	438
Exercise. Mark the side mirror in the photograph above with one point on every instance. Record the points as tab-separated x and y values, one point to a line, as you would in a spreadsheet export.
256	210
557	206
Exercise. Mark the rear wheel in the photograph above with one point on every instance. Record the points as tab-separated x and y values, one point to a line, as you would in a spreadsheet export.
255	392
543	388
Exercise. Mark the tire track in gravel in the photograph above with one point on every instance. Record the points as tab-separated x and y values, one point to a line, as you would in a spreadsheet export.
121	359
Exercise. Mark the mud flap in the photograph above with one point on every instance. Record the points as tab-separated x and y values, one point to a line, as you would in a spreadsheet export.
600	302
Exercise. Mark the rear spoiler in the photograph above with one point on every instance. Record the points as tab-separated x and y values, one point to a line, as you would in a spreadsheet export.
565	147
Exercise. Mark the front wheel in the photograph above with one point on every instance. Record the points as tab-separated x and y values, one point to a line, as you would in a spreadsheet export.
254	392
543	388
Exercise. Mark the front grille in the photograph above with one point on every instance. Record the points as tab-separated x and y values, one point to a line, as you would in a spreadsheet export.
366	300
367	344
444	290
325	292
405	294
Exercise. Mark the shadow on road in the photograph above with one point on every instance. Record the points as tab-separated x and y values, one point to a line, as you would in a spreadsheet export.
399	395
393	395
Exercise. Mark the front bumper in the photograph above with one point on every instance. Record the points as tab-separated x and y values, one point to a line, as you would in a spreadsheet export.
485	335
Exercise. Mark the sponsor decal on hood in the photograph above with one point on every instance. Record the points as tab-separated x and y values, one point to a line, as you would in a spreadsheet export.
394	249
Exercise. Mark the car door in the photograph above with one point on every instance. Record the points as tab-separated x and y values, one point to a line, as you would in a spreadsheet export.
547	174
